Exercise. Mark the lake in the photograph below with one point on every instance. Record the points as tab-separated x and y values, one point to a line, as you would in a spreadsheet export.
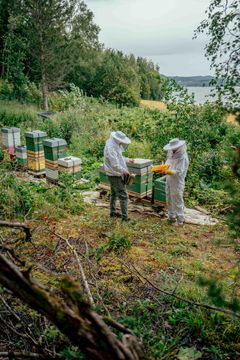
202	93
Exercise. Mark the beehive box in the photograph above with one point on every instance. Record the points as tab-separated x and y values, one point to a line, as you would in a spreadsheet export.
70	165
143	182
34	140
10	139
21	156
35	153
53	149
160	191
51	175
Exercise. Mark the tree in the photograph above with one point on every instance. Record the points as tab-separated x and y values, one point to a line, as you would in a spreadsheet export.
48	24
116	79
14	55
223	49
5	8
84	48
46	41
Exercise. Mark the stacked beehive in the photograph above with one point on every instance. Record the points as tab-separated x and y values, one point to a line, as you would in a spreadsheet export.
160	191
10	139
70	165
53	149
143	182
35	153
21	156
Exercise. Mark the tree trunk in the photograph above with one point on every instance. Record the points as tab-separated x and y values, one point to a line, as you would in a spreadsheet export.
44	91
43	74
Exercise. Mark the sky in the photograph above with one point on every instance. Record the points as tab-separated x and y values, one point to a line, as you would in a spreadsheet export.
160	30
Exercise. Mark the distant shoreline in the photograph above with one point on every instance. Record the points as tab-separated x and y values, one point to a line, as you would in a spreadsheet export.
193	81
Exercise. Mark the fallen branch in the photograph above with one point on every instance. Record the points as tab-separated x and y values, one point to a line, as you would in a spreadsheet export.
116	325
24	226
11	253
172	294
22	355
84	279
74	318
29	332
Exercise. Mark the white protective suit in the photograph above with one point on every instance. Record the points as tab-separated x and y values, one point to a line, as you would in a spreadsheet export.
175	183
114	161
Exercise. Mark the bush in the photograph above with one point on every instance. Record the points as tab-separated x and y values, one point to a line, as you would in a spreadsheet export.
27	92
6	90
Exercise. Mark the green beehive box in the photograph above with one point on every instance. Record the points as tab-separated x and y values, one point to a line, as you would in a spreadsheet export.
139	179
160	189
54	154
54	149
34	140
141	188
34	147
143	180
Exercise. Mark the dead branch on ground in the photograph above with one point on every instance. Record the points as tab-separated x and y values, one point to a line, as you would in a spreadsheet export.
83	276
173	294
22	355
24	226
74	318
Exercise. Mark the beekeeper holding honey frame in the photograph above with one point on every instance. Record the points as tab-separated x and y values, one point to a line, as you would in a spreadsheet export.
175	168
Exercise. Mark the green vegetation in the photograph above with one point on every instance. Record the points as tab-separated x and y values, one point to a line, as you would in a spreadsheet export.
173	259
189	260
222	27
50	57
46	47
81	119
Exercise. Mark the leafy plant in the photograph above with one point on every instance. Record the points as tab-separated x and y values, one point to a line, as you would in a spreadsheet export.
116	242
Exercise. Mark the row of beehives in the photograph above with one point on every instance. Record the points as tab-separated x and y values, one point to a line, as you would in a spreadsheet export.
143	185
40	155
48	156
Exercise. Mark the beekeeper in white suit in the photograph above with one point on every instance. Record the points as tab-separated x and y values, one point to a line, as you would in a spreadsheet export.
177	158
116	167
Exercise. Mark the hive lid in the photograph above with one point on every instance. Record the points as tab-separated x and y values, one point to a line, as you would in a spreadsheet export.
69	161
139	163
35	134
15	130
10	130
55	142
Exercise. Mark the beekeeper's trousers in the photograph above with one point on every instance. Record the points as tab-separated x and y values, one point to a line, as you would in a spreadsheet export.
118	190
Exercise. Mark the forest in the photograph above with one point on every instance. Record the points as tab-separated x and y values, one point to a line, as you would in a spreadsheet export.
75	284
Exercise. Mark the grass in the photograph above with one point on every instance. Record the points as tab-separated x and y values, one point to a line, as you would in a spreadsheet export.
153	104
171	258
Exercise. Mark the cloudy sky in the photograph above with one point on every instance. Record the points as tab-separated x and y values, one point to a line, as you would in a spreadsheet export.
160	30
